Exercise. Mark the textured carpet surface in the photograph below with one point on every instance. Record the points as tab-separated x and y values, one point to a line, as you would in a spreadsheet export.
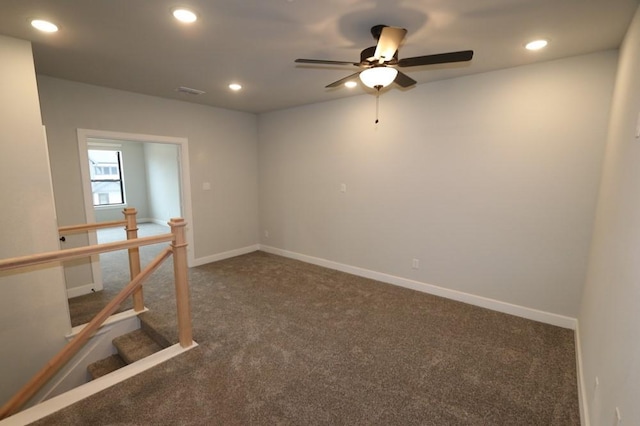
284	342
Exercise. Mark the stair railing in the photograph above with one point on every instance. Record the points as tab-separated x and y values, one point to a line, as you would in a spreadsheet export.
178	248
131	227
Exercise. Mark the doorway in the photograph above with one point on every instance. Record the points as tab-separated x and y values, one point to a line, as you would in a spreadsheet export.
157	147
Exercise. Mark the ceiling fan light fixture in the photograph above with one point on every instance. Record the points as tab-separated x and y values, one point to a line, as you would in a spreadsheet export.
378	77
351	84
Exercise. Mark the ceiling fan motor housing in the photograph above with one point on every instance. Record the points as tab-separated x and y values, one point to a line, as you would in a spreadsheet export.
376	30
367	57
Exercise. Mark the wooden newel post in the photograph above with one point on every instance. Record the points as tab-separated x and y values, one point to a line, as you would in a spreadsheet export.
134	256
181	279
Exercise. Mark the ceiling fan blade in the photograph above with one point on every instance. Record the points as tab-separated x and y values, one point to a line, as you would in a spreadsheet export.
390	39
441	58
322	61
342	80
404	80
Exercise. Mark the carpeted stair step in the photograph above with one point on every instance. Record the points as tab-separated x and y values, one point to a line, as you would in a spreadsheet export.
131	347
105	366
135	345
158	329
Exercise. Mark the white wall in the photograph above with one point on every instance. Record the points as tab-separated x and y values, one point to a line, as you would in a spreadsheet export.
609	316
162	181
489	180
222	150
33	308
135	177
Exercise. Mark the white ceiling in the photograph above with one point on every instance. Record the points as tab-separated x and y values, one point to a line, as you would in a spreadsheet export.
136	45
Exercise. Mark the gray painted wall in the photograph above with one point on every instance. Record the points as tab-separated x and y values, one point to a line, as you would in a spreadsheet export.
33	308
162	183
222	149
609	317
489	180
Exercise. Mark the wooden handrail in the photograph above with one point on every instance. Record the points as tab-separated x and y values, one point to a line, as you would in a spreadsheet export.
131	227
90	226
179	250
67	352
79	252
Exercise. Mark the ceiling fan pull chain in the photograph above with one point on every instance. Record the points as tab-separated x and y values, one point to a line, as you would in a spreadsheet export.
377	105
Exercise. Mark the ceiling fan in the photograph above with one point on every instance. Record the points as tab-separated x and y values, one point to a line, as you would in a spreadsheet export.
379	61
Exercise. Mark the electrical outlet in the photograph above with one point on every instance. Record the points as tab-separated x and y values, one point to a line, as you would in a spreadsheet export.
266	234
415	264
343	187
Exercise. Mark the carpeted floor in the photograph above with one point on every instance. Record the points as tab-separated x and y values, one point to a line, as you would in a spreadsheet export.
284	342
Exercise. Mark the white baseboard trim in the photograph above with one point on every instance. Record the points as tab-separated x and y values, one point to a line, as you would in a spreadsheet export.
156	221
59	402
484	302
81	290
225	255
582	389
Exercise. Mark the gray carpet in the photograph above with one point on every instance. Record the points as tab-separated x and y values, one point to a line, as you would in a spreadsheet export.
284	342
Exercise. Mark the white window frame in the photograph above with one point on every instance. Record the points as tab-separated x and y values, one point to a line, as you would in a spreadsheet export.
119	171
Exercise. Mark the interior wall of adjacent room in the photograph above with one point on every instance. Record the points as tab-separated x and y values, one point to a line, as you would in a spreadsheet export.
162	180
135	181
33	306
609	319
490	180
222	151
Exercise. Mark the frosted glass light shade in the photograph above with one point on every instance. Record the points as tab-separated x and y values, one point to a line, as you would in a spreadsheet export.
378	76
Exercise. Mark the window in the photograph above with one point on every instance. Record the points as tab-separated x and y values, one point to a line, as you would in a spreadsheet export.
105	168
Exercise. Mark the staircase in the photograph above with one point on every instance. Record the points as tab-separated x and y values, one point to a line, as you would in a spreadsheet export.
131	347
53	368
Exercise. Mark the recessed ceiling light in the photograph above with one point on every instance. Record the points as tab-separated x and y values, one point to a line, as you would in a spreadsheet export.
536	44
184	15
45	26
351	84
235	87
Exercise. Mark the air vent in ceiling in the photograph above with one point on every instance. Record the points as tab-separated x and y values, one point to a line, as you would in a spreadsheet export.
189	90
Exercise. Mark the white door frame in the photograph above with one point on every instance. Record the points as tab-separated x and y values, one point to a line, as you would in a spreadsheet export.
185	185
